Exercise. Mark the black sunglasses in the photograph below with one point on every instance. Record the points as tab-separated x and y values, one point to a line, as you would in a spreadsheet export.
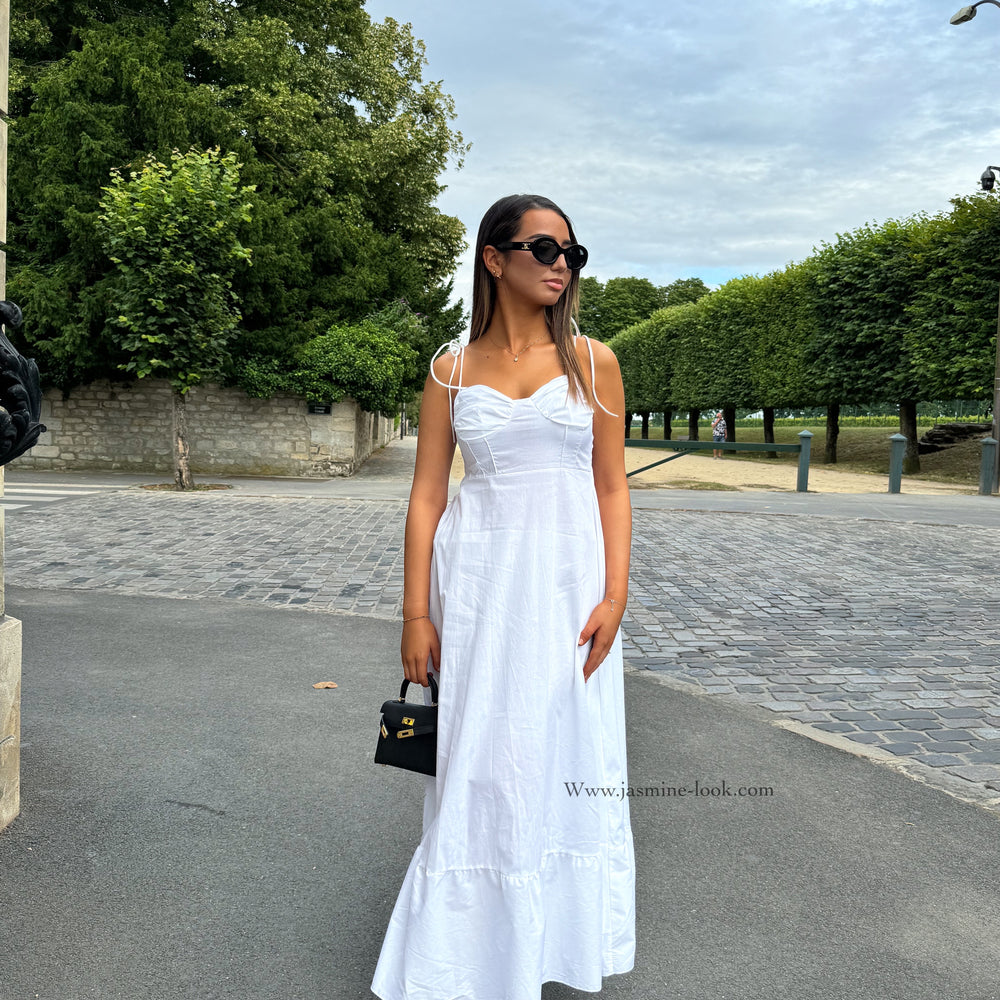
546	251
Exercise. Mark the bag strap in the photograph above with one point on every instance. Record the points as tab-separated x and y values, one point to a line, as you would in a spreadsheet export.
434	690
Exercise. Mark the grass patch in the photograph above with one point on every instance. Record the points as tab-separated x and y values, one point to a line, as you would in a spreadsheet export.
866	450
695	484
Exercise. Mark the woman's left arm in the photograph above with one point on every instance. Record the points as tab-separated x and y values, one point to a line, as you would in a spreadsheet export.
614	503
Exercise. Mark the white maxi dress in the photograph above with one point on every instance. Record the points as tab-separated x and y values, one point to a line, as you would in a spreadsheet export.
525	872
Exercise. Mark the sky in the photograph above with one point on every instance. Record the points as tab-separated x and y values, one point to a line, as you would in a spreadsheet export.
710	139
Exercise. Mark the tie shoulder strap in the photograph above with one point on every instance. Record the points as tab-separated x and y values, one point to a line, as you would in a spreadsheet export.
593	374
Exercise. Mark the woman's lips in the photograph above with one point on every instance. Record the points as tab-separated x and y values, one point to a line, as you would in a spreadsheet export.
555	285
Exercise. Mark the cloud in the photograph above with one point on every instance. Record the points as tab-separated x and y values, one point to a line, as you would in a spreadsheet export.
715	139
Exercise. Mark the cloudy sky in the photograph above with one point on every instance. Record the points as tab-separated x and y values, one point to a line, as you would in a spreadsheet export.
716	138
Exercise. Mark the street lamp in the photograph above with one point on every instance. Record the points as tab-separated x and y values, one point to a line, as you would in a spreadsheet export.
968	13
987	181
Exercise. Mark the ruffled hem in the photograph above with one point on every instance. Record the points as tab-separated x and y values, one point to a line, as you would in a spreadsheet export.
479	934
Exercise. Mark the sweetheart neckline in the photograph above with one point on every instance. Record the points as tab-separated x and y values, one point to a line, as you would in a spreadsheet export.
511	399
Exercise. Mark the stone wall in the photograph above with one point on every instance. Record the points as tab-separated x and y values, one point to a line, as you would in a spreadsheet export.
127	427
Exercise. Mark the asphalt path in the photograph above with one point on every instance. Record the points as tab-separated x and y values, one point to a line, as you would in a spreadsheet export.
198	821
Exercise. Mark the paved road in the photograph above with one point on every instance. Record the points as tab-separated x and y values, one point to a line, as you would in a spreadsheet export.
199	823
33	494
870	622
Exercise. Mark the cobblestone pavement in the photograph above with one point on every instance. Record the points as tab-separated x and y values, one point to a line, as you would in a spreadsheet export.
884	633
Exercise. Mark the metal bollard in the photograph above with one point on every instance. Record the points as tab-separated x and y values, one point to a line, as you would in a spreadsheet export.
897	448
987	467
805	447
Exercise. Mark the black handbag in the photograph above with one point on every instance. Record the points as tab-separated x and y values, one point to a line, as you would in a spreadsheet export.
407	734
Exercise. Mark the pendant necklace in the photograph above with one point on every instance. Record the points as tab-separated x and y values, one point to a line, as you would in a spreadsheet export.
520	352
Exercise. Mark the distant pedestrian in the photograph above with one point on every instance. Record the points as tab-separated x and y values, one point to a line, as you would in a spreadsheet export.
718	432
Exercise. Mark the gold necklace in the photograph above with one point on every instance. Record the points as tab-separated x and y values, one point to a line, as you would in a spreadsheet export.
523	349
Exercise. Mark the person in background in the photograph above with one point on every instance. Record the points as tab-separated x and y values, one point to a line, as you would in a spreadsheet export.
718	432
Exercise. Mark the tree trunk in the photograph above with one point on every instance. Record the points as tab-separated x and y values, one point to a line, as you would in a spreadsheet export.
645	424
769	430
832	432
668	415
628	425
729	415
693	416
182	468
908	428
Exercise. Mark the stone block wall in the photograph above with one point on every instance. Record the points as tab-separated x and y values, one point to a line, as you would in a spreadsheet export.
127	428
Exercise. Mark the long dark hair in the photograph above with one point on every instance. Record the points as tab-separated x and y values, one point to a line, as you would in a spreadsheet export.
500	225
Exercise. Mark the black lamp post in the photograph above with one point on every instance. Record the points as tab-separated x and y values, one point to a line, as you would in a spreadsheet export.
987	181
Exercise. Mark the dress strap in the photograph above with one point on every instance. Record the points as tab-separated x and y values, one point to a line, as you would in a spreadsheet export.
593	376
458	355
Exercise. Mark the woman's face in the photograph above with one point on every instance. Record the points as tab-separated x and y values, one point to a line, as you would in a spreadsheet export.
522	275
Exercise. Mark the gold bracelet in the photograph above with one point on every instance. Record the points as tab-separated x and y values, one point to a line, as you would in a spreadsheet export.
414	618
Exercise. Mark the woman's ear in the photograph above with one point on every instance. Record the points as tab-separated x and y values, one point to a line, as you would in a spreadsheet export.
493	261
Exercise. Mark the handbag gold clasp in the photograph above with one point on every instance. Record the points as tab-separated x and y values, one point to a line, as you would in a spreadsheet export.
407	721
404	732
385	732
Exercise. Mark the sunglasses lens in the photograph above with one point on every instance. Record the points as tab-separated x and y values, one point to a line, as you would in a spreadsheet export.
576	257
545	250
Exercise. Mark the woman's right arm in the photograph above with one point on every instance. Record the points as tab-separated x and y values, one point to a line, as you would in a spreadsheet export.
428	500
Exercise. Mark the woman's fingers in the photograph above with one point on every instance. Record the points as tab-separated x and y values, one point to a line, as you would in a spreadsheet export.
602	627
420	644
598	653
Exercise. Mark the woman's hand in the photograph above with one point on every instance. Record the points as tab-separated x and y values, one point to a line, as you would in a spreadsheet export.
420	642
603	625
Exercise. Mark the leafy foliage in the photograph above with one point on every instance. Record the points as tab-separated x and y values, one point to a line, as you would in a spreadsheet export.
171	229
861	286
685	290
339	135
886	314
364	361
950	338
606	310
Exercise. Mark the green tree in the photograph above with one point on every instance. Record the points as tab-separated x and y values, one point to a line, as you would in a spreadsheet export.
342	139
591	301
172	232
951	337
684	290
862	286
644	353
364	361
780	329
627	301
715	370
684	327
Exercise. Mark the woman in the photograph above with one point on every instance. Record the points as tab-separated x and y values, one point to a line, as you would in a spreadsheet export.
718	433
513	597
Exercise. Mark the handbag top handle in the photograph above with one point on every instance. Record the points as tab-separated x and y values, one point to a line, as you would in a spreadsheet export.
434	690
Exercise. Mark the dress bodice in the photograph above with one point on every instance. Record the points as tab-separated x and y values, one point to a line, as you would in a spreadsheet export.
550	429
